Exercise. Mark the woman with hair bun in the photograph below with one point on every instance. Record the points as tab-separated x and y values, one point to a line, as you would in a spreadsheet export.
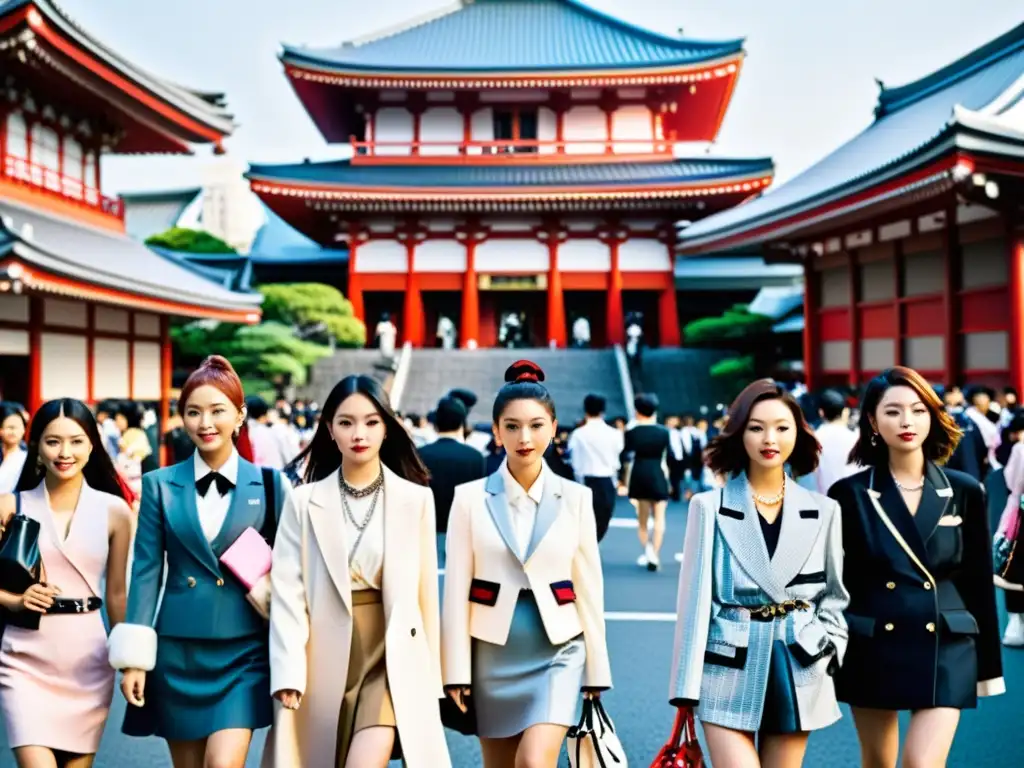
523	616
206	684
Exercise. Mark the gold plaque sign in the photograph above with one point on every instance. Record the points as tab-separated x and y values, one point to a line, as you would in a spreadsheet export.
513	282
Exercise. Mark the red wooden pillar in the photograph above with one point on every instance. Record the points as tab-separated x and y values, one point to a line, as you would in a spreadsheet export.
616	320
1017	310
470	334
950	296
90	354
668	310
35	351
355	289
166	369
855	332
810	339
556	297
412	311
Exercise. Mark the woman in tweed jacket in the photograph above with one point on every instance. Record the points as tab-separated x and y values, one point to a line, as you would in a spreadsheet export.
760	626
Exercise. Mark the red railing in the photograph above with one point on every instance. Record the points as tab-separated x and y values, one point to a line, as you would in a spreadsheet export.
503	149
58	185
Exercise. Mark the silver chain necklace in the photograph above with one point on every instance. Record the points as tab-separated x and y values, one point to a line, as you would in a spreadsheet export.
346	490
906	488
771	501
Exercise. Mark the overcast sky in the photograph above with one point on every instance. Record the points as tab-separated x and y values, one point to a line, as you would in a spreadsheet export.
807	85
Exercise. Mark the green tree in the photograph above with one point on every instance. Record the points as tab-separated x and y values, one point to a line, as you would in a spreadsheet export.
189	241
737	322
734	373
317	312
269	352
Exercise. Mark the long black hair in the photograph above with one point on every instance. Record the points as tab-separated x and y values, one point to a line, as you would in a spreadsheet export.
98	471
398	453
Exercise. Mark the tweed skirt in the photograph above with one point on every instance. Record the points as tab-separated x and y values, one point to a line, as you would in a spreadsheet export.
528	681
367	700
199	687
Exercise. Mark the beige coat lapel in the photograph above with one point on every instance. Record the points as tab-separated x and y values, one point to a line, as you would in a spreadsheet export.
326	516
396	506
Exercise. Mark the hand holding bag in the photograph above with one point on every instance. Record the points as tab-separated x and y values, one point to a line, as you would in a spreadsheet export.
250	556
1004	548
593	743
683	749
20	563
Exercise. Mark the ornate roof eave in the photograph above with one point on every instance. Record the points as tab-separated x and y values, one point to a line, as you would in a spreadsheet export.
681	74
937	167
202	115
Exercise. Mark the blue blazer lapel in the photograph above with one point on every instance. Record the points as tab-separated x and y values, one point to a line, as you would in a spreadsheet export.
183	515
497	505
247	507
547	511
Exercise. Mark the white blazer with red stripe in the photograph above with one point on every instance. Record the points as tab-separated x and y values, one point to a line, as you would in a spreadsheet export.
484	574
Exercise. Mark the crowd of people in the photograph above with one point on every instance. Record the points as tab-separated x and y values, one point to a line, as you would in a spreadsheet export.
283	571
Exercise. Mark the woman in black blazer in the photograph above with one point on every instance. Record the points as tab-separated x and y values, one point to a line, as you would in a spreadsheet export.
918	565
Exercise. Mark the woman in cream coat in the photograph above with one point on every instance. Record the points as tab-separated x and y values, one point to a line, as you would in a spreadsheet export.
353	680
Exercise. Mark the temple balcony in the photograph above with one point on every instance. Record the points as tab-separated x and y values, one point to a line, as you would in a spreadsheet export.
34	184
478	151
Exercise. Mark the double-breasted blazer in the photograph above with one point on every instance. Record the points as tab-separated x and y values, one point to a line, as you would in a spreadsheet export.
311	623
922	613
201	600
722	656
484	574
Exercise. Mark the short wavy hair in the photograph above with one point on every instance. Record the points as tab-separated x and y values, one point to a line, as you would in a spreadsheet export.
942	439
726	454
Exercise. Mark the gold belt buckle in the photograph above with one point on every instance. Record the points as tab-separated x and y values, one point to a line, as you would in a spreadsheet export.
766	611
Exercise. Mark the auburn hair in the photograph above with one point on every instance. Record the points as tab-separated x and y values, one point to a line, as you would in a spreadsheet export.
943	436
214	371
727	455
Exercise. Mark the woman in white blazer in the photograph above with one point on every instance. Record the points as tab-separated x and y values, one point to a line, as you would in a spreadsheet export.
523	618
354	625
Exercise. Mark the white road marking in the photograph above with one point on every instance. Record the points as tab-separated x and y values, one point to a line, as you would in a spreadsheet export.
638	616
623	522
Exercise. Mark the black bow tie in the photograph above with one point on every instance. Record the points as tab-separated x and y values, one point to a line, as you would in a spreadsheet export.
224	486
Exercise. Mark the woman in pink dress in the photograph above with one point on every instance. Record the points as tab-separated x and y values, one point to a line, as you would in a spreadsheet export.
55	682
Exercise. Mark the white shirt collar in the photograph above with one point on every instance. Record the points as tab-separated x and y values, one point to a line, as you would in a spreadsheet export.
515	491
229	470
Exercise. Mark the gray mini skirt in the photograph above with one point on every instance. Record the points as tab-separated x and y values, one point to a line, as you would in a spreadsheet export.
528	681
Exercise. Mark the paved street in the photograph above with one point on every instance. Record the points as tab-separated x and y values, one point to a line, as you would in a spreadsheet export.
640	639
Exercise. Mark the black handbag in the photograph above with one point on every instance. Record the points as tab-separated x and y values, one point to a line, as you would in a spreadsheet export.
20	564
454	718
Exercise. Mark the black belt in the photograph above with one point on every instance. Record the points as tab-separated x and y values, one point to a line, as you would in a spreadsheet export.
75	605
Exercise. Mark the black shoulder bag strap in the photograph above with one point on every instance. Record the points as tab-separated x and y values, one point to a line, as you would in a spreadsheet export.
269	529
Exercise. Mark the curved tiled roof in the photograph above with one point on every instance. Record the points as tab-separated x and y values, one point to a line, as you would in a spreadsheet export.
927	112
514	36
572	175
207	107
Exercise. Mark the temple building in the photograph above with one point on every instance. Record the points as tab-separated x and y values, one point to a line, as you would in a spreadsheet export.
513	162
84	309
910	233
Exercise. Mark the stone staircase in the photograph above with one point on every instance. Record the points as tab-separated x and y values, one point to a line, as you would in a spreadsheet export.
571	374
681	379
328	371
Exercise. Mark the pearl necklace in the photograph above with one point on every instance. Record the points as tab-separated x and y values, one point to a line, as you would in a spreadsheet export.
771	501
906	488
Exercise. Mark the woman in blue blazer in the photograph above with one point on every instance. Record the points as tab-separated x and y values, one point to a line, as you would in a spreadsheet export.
206	683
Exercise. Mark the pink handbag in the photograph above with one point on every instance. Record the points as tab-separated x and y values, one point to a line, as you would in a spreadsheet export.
249	558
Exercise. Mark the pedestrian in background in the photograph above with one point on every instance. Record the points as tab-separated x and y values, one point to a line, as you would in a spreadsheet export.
12	445
595	449
450	463
648	444
197	673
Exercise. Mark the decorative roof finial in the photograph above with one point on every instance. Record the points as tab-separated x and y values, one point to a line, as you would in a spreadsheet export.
879	82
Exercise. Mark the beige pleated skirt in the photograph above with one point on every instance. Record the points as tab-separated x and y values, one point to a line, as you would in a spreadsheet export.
367	701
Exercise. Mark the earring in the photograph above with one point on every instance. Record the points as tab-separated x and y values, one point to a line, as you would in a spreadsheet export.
874	439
